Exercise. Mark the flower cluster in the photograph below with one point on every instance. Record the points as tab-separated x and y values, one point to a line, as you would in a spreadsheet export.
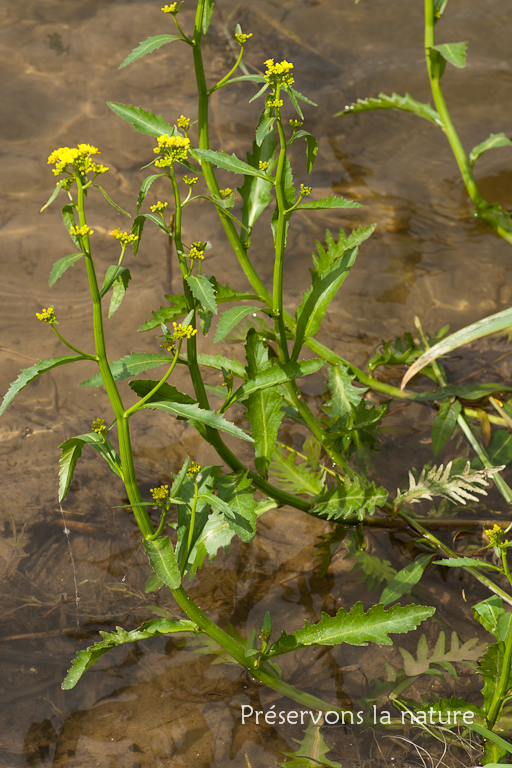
160	494
183	331
190	180
279	74
81	231
295	124
273	103
158	207
305	190
79	158
193	469
169	8
241	38
183	122
226	192
47	316
99	426
124	237
173	148
494	535
263	166
197	250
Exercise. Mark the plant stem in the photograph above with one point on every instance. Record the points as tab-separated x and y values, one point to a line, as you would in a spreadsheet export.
502	687
125	450
70	346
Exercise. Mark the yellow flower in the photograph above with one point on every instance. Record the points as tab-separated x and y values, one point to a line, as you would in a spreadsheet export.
190	181
183	331
160	494
263	166
197	250
99	426
494	535
81	231
124	237
274	103
158	207
170	8
242	39
226	192
47	316
173	148
193	469
305	190
183	122
169	344
279	73
296	124
79	158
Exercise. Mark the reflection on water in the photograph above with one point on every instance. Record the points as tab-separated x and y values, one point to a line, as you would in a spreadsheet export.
156	704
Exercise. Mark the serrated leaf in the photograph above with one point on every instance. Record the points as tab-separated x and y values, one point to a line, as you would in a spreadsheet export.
130	365
453	53
229	163
278	373
29	374
445	424
405	580
470	562
312	752
86	658
111	275
488	612
148	46
438	481
226	294
383	101
344	395
354	627
316	299
495	140
61	265
72	450
369	567
327	203
178	308
296	477
142	387
468	654
353	497
236	492
490	669
162	559
264	127
203	291
335	250
230	318
218	362
119	291
142	121
193	413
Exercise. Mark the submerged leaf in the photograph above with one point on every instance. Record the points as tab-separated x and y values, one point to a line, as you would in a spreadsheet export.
438	481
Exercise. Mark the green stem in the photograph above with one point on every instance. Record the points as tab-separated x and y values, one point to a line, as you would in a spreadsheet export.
138	405
70	346
231	72
125	450
502	687
192	525
437	93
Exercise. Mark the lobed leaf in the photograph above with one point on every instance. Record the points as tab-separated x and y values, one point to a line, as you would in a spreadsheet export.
178	308
297	478
438	481
312	752
495	140
353	496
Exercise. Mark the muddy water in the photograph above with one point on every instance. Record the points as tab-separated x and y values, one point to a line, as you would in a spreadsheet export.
159	704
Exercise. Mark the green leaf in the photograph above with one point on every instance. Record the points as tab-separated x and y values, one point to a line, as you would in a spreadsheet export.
236	493
142	121
111	275
490	669
491	736
112	203
488	612
278	373
148	46
485	327
466	391
203	291
316	299
453	53
68	217
226	294
311	146
178	308
297	478
162	559
72	450
354	627
130	365
61	265
119	290
207	14
142	387
264	127
383	101
471	562
256	192
229	163
445	424
218	362
335	250
499	449
495	140
145	186
354	496
29	374
344	395
329	202
53	195
405	580
312	752
86	658
193	413
229	319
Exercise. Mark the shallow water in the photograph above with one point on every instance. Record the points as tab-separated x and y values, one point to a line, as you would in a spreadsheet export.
157	704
